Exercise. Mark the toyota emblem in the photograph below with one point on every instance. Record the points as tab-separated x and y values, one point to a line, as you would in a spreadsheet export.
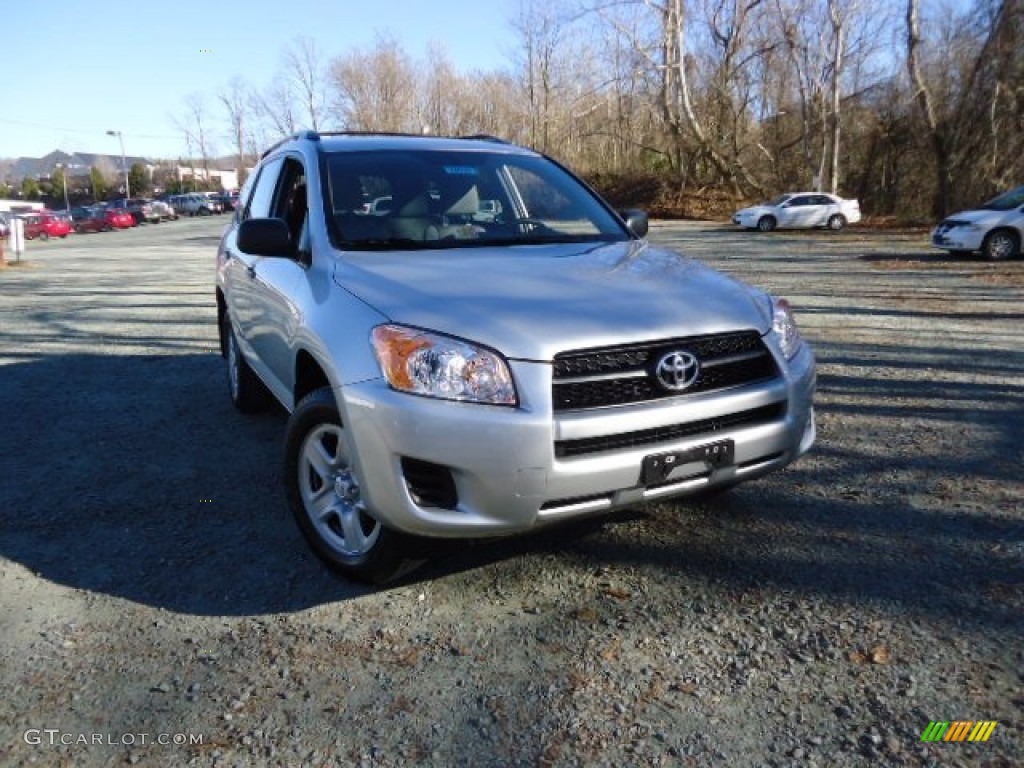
677	371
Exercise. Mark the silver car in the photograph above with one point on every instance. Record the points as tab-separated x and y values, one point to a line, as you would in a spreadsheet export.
456	375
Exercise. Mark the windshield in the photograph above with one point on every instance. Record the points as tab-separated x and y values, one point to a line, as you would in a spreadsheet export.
1006	201
778	201
402	199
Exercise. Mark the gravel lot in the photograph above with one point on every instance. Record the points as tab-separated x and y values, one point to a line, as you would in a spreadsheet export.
152	583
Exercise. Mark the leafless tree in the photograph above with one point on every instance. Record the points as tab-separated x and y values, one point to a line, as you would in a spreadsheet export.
194	124
235	99
375	90
306	75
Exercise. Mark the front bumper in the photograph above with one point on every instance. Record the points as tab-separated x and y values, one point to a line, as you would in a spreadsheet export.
958	239
503	464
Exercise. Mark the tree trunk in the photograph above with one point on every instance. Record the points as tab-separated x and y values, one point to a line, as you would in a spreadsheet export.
938	134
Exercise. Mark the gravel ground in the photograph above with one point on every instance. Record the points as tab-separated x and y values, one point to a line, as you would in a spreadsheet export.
153	588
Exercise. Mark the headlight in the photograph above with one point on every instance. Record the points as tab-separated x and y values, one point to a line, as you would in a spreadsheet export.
784	328
430	364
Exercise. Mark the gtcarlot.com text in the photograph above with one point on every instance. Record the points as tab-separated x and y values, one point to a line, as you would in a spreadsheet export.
55	737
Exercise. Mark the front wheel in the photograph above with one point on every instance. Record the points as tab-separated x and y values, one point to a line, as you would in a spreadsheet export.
836	222
766	224
1000	245
324	495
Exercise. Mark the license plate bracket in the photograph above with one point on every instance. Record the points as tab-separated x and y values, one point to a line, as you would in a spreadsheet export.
657	467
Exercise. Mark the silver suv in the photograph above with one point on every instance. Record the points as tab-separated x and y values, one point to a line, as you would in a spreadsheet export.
456	375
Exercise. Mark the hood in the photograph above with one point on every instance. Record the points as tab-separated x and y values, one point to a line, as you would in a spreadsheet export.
982	216
755	210
531	302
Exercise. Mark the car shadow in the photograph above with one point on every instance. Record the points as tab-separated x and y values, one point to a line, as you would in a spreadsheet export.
936	257
134	477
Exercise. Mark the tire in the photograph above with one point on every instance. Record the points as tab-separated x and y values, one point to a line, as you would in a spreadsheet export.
247	392
323	493
44	236
1000	245
836	222
766	224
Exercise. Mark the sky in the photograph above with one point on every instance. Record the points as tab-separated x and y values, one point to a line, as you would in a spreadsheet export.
83	67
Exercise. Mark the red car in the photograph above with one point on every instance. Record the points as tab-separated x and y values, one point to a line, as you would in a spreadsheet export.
45	225
118	218
88	220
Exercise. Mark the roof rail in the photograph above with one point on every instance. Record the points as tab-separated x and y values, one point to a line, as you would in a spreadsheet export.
307	134
311	135
485	137
369	133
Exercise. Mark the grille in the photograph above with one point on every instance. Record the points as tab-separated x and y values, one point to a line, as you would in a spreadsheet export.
620	375
751	418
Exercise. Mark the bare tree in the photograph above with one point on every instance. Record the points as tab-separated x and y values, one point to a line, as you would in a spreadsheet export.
376	90
306	75
274	107
442	94
194	124
235	99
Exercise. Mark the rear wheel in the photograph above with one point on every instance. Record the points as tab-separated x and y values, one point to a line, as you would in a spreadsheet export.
836	222
324	495
766	223
1000	245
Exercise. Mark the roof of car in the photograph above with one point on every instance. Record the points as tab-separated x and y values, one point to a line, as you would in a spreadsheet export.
351	140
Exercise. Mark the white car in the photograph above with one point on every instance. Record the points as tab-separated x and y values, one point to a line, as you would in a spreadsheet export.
800	210
996	228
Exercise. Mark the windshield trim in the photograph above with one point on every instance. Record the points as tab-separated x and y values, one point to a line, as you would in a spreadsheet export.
584	208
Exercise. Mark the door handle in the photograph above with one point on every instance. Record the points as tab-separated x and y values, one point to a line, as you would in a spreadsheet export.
251	270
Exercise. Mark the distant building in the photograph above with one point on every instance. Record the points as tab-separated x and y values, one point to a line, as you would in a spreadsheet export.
226	178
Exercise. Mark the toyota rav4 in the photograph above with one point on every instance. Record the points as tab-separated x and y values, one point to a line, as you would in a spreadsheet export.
449	374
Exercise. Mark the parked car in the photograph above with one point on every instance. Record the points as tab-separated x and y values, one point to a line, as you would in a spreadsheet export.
227	201
44	225
452	377
140	208
118	218
200	204
163	210
996	228
88	219
799	210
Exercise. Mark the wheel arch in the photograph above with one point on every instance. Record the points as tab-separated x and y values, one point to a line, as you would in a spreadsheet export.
1013	231
309	376
222	311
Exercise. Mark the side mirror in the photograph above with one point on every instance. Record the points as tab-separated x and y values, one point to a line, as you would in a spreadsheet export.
266	237
636	221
